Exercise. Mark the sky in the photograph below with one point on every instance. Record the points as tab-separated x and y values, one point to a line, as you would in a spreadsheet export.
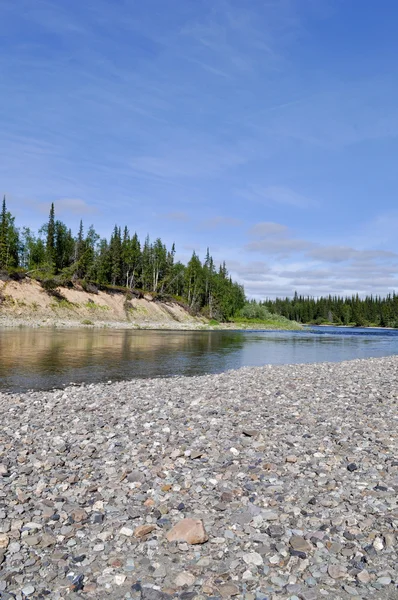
266	130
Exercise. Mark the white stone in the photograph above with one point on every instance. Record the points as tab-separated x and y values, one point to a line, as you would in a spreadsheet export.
253	558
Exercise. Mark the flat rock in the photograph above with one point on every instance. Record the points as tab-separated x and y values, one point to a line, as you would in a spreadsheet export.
191	531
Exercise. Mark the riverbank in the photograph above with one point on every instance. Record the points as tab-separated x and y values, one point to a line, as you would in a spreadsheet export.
26	304
290	473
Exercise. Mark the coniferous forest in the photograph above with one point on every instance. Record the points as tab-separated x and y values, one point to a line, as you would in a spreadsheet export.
55	256
368	311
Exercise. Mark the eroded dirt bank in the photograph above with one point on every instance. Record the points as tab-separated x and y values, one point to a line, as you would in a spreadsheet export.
26	303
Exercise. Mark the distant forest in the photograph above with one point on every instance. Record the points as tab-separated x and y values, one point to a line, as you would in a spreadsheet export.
371	310
56	256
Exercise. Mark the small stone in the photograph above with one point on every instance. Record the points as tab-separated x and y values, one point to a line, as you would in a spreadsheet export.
291	458
152	594
352	467
378	544
4	540
384	580
228	590
143	530
120	579
250	432
191	531
310	594
126	531
299	543
364	577
28	590
253	558
350	590
185	578
337	571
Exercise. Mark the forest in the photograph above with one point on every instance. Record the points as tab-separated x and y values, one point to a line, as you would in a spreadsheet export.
54	256
368	311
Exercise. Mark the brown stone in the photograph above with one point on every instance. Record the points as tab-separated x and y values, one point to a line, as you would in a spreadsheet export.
79	515
191	531
300	544
228	590
143	530
166	487
4	540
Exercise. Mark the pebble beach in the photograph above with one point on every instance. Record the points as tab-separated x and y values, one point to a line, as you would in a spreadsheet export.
268	483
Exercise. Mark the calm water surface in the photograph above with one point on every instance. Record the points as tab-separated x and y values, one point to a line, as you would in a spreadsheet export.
47	358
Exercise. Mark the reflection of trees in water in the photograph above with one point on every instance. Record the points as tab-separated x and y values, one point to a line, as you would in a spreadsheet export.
114	353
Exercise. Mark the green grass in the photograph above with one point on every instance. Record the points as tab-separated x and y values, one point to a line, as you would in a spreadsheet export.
272	323
87	322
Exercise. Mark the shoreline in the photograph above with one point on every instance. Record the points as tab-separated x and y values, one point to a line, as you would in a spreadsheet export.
292	470
11	322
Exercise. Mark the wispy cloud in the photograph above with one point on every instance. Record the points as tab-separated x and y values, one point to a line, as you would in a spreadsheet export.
177	216
219	221
276	195
67	206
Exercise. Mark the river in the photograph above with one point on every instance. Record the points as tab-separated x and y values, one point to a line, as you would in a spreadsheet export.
47	358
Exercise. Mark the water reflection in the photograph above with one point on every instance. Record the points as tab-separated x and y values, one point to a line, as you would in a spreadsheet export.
45	358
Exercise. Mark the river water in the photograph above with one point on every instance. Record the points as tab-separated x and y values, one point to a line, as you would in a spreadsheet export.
48	358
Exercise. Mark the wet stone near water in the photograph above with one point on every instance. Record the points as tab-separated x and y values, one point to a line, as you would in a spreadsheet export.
272	483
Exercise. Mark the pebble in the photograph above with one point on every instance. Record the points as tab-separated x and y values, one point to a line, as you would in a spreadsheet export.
221	486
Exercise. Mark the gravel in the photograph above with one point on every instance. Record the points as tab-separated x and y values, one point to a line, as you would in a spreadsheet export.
266	483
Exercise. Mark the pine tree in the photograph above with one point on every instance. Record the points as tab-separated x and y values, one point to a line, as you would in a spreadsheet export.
3	236
50	242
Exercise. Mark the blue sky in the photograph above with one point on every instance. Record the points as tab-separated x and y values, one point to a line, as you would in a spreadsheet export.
264	129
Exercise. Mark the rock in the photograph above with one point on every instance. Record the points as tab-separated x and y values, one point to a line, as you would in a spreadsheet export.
352	467
185	578
28	590
228	590
127	531
152	594
250	432
384	580
337	571
143	530
191	531
300	544
253	558
363	577
4	540
291	458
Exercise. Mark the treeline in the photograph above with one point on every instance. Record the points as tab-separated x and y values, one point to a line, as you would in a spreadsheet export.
122	260
371	310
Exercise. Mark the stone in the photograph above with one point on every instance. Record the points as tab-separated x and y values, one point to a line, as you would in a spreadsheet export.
300	544
337	571
191	531
127	531
185	578
28	590
364	577
4	540
143	530
228	590
383	580
253	558
291	458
